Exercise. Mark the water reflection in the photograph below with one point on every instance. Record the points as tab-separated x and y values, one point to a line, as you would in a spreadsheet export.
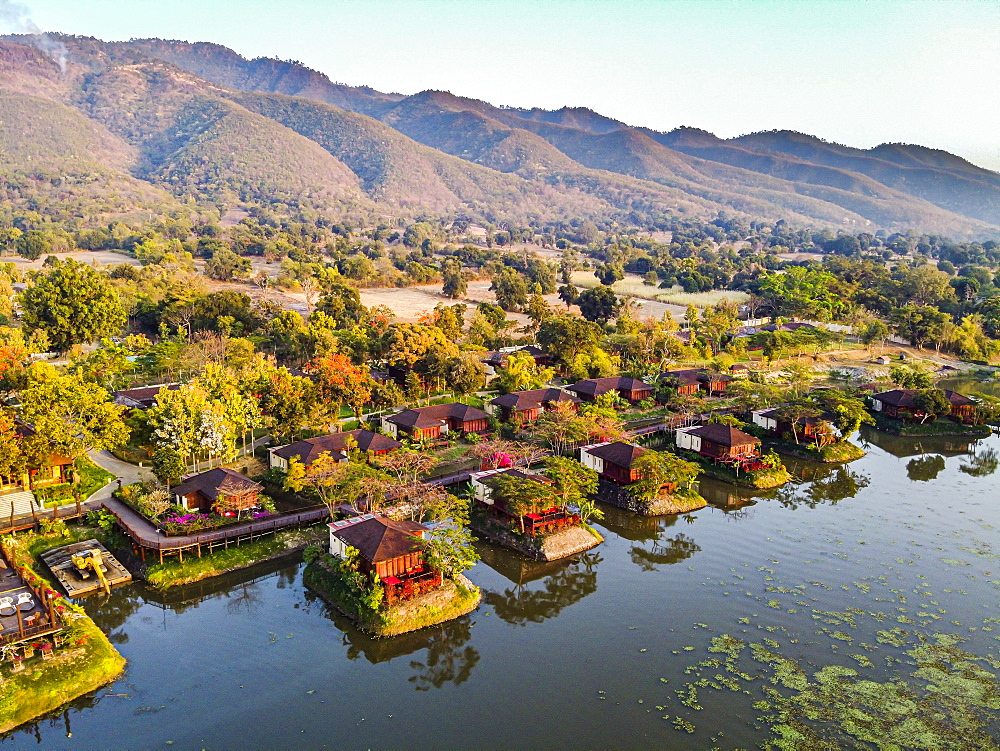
521	604
925	468
725	496
982	463
664	552
904	446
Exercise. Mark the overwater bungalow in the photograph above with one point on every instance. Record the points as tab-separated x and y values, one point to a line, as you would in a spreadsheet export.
218	490
720	442
899	405
366	442
428	423
394	550
614	461
527	406
815	429
631	390
538	522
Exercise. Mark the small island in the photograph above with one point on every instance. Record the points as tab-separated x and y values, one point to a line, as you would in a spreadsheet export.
389	576
542	516
641	480
52	652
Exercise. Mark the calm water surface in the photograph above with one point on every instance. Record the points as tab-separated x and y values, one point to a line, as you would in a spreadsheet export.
587	653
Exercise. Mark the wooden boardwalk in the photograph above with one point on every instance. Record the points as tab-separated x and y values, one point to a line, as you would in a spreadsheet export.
146	537
21	522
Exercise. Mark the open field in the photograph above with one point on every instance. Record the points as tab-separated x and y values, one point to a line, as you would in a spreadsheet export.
649	297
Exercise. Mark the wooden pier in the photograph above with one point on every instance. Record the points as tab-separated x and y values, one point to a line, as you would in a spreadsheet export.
60	563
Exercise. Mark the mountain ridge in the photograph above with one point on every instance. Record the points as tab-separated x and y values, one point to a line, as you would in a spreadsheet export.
330	146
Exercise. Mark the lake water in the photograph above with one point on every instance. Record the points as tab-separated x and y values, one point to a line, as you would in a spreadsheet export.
586	653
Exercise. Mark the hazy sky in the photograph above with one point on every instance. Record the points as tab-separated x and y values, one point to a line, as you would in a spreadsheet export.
854	71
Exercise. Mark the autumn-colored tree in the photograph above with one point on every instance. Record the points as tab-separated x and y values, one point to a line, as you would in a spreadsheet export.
341	382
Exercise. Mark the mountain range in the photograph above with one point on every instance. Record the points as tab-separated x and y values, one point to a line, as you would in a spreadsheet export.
151	125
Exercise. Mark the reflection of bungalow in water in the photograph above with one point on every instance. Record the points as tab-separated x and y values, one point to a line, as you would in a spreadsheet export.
815	428
899	405
541	521
496	360
424	423
393	550
613	461
220	490
699	379
719	442
630	389
366	442
527	406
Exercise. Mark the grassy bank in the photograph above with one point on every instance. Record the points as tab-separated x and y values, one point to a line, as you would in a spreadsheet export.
936	428
451	600
85	662
761	479
173	572
834	453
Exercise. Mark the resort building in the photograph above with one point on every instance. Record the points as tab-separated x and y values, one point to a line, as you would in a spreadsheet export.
526	406
899	405
814	428
141	398
15	489
428	423
365	442
699	379
218	490
719	442
393	550
537	522
630	389
613	461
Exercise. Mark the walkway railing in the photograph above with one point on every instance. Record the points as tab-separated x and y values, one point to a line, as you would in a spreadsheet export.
148	537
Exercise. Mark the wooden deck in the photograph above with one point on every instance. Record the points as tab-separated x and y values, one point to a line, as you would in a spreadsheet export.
21	522
147	538
60	563
33	618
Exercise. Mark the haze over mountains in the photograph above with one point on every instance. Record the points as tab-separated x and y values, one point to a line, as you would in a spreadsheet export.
146	123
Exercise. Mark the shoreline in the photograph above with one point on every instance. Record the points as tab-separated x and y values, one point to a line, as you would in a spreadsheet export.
453	599
563	544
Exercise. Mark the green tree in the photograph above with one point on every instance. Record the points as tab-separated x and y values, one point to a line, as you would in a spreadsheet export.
454	284
33	244
510	289
226	266
598	304
932	402
572	483
69	414
73	304
658	468
520	373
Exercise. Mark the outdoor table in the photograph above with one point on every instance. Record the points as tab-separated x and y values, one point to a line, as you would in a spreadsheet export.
391	580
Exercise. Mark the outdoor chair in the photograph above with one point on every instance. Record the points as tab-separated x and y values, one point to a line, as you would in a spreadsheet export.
25	601
7	606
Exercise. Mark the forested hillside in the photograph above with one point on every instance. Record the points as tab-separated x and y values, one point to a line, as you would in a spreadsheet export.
150	125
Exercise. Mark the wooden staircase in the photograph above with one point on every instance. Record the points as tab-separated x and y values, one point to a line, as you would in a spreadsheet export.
23	502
